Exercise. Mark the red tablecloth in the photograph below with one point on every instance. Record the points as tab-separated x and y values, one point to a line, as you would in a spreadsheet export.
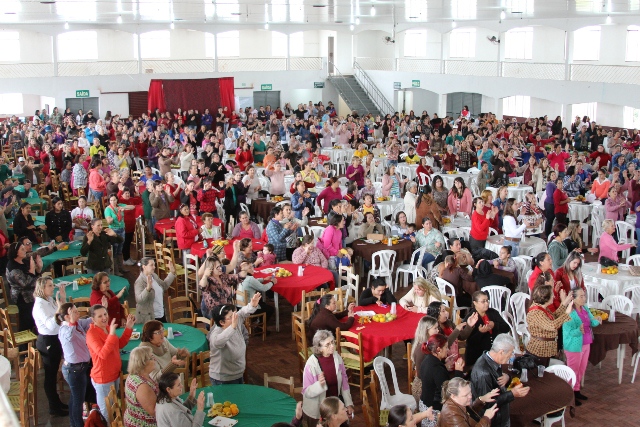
291	287
170	223
199	250
377	336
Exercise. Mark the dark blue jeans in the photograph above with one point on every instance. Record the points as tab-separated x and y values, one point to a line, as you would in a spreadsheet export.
218	382
77	376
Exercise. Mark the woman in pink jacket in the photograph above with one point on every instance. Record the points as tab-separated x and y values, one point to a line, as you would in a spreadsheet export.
328	194
97	184
459	199
616	205
277	179
392	182
330	242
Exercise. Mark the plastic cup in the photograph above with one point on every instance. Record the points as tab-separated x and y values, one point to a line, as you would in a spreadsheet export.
540	371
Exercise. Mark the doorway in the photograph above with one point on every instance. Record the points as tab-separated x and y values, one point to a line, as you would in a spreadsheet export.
266	97
84	104
457	100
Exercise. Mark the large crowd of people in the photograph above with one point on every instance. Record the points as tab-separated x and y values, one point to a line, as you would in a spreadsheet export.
197	166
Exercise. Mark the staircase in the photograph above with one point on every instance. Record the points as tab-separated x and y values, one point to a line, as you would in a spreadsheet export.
359	93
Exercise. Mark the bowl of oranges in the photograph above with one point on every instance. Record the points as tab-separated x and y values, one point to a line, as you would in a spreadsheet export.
226	409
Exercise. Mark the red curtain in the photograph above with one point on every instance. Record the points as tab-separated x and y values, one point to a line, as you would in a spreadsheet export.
227	94
156	97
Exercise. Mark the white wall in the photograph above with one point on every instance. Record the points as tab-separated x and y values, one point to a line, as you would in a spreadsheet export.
116	45
117	103
609	114
424	100
370	44
541	107
548	45
35	47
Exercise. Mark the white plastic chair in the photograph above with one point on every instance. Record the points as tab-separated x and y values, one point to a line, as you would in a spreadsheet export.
191	264
597	216
633	260
424	179
626	232
448	289
517	308
636	363
618	303
382	263
594	292
244	208
493	231
495	297
522	265
569	376
633	293
388	400
473	171
352	286
410	268
317	231
514	333
156	171
378	187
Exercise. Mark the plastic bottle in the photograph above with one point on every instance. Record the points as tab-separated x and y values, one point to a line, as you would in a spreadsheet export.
170	333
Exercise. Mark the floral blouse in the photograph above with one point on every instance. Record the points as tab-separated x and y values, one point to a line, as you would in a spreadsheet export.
218	291
441	197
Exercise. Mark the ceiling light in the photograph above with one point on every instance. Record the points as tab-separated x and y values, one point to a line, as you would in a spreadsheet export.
172	26
351	27
66	25
357	21
608	21
503	15
266	26
373	11
453	24
120	19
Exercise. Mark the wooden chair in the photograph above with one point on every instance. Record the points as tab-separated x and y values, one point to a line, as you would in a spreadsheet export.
352	356
73	269
20	402
127	309
10	353
302	314
191	266
203	324
200	368
123	400
339	298
410	373
177	286
12	310
380	414
181	311
16	339
280	380
370	419
253	328
302	348
114	410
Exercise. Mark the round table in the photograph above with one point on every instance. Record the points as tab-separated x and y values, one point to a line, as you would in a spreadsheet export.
84	291
72	252
580	211
517	192
259	406
387	207
615	283
449	178
530	246
291	287
364	250
192	339
262	208
455	223
35	201
614	335
199	250
5	374
19	177
38	220
170	224
315	223
377	336
344	153
547	394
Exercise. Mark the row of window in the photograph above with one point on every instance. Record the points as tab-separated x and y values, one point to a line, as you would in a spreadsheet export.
519	43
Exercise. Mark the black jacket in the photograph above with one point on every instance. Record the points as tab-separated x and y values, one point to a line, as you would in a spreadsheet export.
433	373
58	224
20	224
484	378
367	298
479	342
97	252
231	208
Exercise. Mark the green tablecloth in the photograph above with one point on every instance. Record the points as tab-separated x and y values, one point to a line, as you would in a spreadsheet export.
35	201
73	251
192	339
19	177
38	220
259	406
84	291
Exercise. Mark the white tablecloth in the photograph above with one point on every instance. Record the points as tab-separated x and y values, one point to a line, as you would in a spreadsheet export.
517	193
387	208
345	154
455	224
5	374
616	283
579	211
531	246
410	171
448	179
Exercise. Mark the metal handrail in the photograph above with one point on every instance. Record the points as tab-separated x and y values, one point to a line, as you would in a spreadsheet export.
384	106
338	75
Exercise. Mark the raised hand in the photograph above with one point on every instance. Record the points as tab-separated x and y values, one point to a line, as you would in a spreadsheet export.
234	318
177	361
255	299
459	365
105	301
200	403
473	319
131	320
490	397
491	412
113	327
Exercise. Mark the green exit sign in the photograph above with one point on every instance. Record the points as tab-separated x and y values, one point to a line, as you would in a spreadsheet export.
266	87
318	85
415	83
82	94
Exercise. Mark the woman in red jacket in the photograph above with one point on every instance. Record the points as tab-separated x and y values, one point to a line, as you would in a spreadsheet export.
187	230
130	215
480	223
102	294
104	348
569	275
244	157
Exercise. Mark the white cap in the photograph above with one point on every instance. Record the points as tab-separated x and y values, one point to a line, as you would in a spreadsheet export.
21	159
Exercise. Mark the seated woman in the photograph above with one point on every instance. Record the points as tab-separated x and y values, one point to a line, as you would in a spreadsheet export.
459	199
490	324
430	238
140	389
250	285
369	207
458	404
426	206
245	229
246	252
574	239
543	325
103	295
168	357
308	253
462	255
171	410
434	373
376	293
421	294
399	228
369	226
461	279
208	230
557	249
325	317
486	277
23	223
58	221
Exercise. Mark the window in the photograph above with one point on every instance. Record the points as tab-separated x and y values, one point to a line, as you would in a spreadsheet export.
462	43
11	103
77	10
519	43
587	109
155	44
155	10
586	44
228	10
278	11
78	45
10	10
278	44
633	43
296	44
415	10
209	8
520	6
209	45
518	106
631	117
10	41
228	43
464	9
415	43
296	10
